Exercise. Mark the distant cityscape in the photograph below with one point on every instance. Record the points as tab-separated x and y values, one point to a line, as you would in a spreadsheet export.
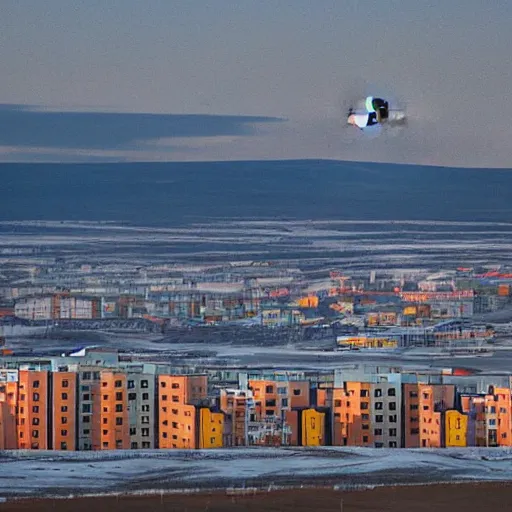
104	399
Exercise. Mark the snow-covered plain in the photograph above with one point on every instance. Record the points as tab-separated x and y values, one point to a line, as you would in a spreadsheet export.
63	473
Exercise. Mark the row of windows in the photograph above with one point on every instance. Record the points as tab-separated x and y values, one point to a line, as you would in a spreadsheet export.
174	385
393	418
176	412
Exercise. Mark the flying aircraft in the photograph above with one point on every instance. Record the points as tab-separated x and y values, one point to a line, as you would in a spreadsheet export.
374	113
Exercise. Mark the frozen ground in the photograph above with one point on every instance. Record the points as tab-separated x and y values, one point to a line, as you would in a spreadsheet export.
61	473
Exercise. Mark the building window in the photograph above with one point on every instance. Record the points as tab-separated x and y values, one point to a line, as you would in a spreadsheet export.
119	421
392	406
269	389
145	396
379	418
365	417
63	420
119	408
426	407
414	407
63	445
364	405
174	411
379	445
86	419
35	397
65	383
86	376
164	435
145	419
377	432
133	431
85	398
378	392
145	408
35	384
119	397
63	433
105	432
282	391
415	431
378	405
35	434
164	398
175	398
175	385
64	408
35	409
365	439
146	445
105	397
174	424
134	445
105	421
132	396
145	432
35	421
391	392
413	394
131	384
296	392
105	445
284	402
144	384
118	384
337	403
163	384
392	432
364	393
393	444
365	427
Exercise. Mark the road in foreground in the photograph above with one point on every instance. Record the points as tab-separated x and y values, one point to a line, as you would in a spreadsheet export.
441	498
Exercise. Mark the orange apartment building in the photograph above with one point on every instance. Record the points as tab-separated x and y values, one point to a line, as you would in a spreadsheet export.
178	396
64	407
8	403
351	415
114	427
237	406
423	408
33	393
273	400
489	417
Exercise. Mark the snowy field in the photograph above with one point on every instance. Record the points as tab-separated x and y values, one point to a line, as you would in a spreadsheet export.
63	473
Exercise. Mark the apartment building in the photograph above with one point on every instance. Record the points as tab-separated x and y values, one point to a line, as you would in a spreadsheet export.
8	404
424	405
352	424
386	414
142	409
32	419
64	410
237	406
178	396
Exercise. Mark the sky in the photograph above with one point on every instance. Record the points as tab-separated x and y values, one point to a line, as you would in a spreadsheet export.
117	80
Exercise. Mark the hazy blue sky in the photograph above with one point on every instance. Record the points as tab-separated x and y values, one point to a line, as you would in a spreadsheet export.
449	61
